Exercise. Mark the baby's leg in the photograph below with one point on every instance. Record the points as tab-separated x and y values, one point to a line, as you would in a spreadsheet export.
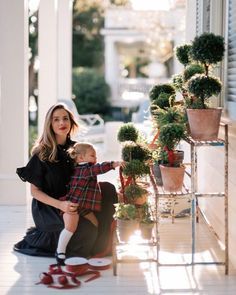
71	222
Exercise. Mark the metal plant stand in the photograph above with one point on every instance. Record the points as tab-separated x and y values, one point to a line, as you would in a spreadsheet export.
193	195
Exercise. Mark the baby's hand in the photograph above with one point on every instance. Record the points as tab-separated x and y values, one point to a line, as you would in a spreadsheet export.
118	163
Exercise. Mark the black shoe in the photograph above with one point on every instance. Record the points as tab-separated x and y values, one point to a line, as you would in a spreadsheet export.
61	259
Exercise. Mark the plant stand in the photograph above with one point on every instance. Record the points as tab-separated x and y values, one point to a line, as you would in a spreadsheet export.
193	195
152	243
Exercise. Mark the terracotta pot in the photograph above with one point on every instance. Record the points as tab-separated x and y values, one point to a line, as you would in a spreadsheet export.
126	228
146	230
204	123
178	159
172	177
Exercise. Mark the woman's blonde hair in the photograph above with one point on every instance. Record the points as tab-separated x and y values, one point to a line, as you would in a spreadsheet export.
79	149
46	145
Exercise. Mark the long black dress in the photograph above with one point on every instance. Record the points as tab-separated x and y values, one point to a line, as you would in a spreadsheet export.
52	179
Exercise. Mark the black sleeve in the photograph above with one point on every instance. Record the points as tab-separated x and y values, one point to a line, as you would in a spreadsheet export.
33	172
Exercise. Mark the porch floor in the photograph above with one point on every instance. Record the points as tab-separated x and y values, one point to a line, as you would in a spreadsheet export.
19	273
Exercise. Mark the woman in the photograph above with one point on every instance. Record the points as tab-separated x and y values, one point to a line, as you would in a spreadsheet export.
48	171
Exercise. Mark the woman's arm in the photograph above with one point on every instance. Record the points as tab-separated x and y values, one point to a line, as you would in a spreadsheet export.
64	206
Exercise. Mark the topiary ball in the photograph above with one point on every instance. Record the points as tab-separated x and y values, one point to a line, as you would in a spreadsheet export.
203	86
208	48
127	132
135	151
191	70
161	88
183	54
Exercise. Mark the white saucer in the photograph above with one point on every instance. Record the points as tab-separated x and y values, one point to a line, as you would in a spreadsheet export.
76	261
99	262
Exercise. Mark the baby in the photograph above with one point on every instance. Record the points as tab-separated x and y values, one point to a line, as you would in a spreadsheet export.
84	190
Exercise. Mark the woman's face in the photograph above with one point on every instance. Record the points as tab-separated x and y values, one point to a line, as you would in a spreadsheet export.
61	123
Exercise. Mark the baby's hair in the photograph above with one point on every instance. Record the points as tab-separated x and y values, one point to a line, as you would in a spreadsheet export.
79	149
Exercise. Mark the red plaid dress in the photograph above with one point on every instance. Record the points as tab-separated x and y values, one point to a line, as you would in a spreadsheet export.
84	188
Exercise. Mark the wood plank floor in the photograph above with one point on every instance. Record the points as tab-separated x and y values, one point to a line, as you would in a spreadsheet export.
19	273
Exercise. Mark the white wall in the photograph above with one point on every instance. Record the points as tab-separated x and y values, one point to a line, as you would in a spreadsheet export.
211	160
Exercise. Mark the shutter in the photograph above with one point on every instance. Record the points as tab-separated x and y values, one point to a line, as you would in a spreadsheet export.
231	61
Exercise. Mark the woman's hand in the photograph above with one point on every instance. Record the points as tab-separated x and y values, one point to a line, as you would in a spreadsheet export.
64	206
68	207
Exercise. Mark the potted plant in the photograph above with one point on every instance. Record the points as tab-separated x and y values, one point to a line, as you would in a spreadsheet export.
146	222
135	194
200	85
171	125
126	220
172	130
162	96
136	155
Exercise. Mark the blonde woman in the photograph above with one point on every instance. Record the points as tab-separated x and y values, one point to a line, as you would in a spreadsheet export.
48	172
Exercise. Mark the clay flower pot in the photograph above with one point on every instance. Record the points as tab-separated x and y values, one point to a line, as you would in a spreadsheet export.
172	178
204	123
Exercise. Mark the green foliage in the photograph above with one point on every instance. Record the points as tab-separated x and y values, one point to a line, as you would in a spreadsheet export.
146	214
161	88
171	134
128	132
88	44
136	168
183	54
133	151
91	91
163	102
125	211
170	115
33	134
208	48
134	191
191	70
203	87
162	156
177	82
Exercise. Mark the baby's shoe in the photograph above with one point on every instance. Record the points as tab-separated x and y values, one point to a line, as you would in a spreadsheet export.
60	257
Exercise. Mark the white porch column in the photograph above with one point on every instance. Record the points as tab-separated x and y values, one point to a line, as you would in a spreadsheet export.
47	48
64	57
13	99
55	54
111	66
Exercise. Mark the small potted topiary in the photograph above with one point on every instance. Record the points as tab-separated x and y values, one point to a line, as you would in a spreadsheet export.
136	154
200	85
126	220
170	159
161	96
172	128
147	221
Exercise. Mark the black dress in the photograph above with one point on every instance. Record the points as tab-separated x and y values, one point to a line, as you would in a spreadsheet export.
52	179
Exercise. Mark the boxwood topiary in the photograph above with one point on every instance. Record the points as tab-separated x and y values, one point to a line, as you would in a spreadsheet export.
182	53
128	132
191	70
161	88
133	151
208	48
203	87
